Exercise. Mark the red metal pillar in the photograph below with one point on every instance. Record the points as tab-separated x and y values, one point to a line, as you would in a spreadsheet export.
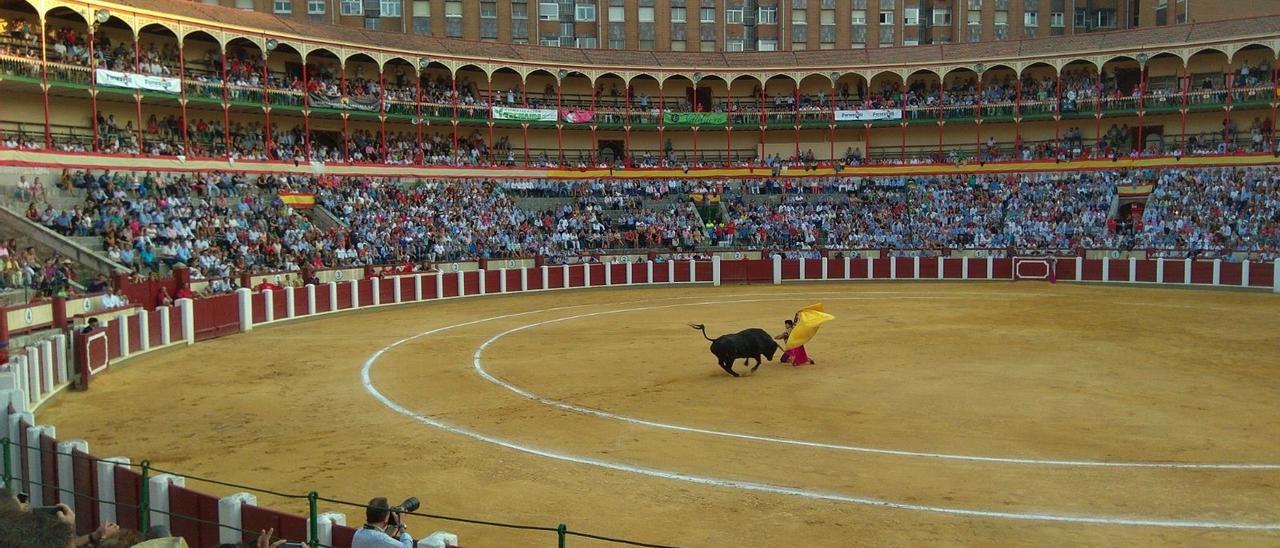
662	110
902	148
382	113
977	119
764	121
93	88
942	118
524	126
453	84
728	127
1097	109
417	108
626	128
306	110
831	136
137	94
795	116
226	105
1185	88
346	123
44	83
595	146
489	148
1017	116
1057	113
866	142
1231	81
182	97
1142	104
266	108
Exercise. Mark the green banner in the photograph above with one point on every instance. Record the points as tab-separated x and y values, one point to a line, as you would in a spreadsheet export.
695	118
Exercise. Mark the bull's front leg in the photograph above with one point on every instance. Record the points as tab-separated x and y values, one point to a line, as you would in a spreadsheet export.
756	366
727	365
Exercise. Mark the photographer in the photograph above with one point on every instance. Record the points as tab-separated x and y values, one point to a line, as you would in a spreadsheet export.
384	526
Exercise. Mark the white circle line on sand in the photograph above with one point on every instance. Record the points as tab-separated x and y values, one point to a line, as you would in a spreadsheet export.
478	366
367	383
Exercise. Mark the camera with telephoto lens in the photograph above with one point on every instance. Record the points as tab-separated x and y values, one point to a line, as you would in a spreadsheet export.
410	505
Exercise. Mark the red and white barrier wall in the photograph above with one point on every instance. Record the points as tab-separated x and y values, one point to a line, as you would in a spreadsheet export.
108	489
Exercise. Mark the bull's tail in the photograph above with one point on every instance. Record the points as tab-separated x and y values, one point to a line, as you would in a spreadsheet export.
703	329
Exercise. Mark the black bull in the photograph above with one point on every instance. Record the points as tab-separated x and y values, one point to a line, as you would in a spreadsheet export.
745	345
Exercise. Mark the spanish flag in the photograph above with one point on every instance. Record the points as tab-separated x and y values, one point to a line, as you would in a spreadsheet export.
301	200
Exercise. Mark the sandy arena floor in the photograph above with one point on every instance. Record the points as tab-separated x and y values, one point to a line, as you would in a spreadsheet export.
1012	415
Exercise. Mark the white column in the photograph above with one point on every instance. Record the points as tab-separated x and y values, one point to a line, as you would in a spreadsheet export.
1244	273
630	274
1079	268
524	279
871	268
29	370
825	268
144	330
46	367
693	271
1275	276
915	267
290	303
715	271
1217	272
1186	271
846	267
60	370
268	306
417	287
990	267
106	470
66	472
35	466
802	269
166	337
245	297
502	280
671	271
777	269
439	285
586	275
187	314
1133	269
355	293
546	277
1106	269
123	320
396	293
964	268
1159	270
608	274
311	299
462	282
333	296
942	265
229	516
158	488
482	282
893	268
324	527
376	294
649	280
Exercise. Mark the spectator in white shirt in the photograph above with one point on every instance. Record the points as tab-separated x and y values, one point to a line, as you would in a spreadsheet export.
382	528
112	300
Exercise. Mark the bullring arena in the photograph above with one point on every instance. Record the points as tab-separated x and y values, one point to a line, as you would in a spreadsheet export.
968	412
264	263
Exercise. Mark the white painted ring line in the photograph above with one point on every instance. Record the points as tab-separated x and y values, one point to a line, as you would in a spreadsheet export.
367	383
478	367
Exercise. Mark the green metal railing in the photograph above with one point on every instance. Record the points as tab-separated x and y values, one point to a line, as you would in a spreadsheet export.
145	508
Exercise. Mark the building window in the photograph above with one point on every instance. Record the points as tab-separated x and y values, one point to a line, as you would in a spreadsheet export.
617	43
283	7
1031	19
371	23
1082	18
708	15
911	17
733	16
453	9
768	15
975	5
315	7
553	41
352	7
828	17
617	14
1055	19
886	18
244	5
859	17
708	45
588	42
548	11
677	45
886	35
799	16
646	44
733	45
585	13
391	8
767	45
422	16
645	15
942	17
678	15
488	20
489	10
1106	19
